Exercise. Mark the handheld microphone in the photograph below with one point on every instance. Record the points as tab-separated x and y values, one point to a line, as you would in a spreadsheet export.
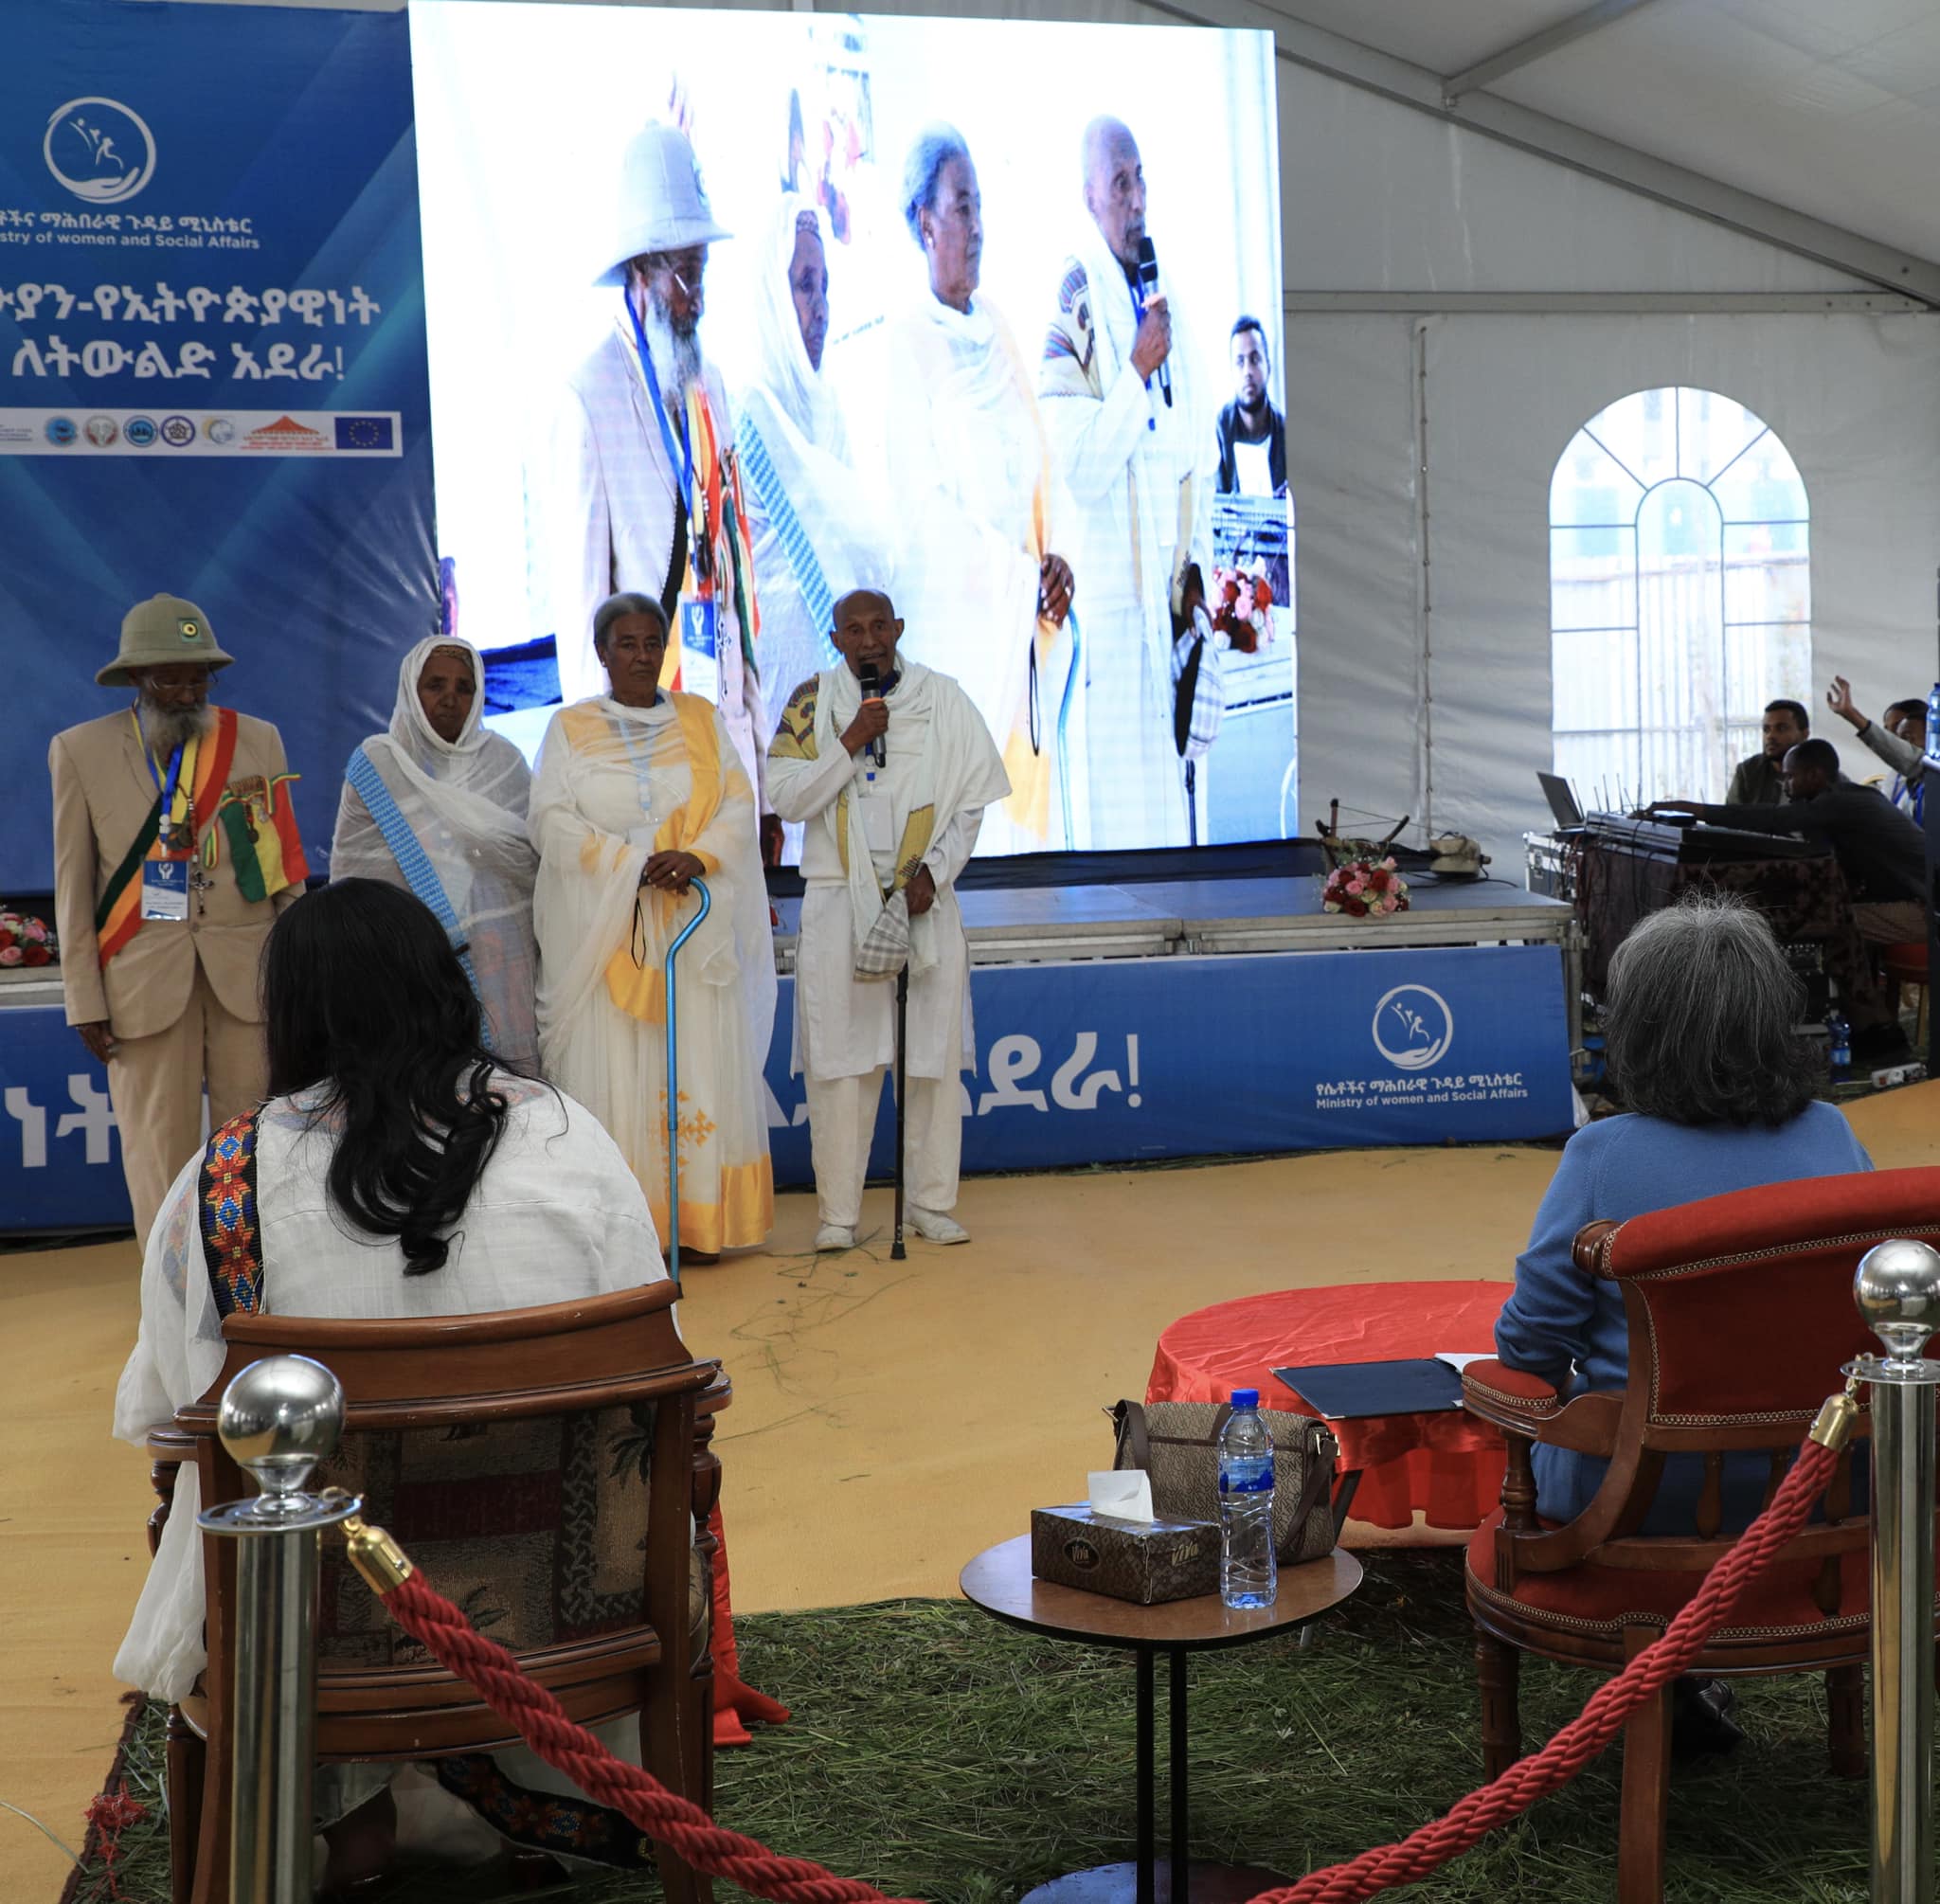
1148	287
872	683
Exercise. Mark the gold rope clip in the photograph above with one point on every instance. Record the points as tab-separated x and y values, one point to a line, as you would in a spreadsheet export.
1834	1428
382	1562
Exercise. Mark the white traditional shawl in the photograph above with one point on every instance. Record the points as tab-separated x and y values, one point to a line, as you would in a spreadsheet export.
958	769
795	387
599	931
465	800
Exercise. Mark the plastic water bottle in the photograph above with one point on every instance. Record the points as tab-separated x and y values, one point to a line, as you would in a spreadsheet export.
1248	1573
1933	723
1839	1045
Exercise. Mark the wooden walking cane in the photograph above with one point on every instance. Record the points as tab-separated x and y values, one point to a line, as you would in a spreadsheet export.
680	938
897	1253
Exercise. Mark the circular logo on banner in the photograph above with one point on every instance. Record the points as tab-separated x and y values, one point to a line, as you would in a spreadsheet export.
102	431
177	432
99	150
219	429
140	431
1412	1026
61	430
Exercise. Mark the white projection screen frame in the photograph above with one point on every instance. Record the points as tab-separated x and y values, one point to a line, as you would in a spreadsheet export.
936	457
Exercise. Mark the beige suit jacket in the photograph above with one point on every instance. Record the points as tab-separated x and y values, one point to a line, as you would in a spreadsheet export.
104	791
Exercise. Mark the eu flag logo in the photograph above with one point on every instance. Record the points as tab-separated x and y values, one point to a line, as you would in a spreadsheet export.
364	433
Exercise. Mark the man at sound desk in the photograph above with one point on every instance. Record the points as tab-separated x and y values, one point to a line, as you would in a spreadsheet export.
1881	853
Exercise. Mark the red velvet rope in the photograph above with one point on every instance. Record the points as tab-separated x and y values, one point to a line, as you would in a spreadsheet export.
433	1621
671	1821
1599	1722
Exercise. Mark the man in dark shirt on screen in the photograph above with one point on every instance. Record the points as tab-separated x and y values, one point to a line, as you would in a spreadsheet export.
1251	433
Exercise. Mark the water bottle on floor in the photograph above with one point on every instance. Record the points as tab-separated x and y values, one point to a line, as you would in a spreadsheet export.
1839	1046
1248	1573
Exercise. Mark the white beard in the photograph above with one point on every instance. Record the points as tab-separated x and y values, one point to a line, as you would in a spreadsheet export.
166	728
677	359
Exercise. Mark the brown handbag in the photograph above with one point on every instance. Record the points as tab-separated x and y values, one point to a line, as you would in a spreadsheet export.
1177	1444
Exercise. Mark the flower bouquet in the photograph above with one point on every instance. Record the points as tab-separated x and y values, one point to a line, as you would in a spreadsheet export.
1365	889
24	942
1241	605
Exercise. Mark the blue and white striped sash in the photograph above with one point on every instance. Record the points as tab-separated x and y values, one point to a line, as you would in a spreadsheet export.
816	596
413	861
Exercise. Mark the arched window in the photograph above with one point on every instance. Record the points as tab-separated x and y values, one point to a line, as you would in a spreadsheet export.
1681	596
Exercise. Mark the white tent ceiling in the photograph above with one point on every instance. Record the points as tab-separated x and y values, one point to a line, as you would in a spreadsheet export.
1832	110
1823	110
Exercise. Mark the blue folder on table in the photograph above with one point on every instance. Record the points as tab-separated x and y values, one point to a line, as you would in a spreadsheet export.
1347	1391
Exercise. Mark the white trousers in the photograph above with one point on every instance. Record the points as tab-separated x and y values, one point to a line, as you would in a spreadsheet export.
841	1121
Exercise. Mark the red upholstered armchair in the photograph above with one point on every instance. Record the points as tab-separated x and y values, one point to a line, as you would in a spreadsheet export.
1740	1314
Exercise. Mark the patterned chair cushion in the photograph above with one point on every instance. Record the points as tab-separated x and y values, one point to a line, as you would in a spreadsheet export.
535	1529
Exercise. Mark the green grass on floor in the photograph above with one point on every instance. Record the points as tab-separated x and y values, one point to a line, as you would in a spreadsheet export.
942	1756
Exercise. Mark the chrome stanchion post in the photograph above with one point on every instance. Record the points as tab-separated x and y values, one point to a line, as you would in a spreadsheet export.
1898	1291
278	1418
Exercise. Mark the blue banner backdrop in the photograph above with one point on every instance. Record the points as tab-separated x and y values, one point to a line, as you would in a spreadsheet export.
1109	1062
60	1149
1116	1060
212	370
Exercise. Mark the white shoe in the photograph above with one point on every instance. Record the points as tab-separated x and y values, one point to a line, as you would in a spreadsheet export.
937	1227
835	1236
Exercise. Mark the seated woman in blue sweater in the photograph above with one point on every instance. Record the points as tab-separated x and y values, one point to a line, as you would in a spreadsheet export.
1700	1036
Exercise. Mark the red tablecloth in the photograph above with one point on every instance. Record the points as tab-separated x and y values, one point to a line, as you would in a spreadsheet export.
1448	1465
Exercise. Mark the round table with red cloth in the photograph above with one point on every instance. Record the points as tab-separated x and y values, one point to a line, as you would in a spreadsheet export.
1447	1465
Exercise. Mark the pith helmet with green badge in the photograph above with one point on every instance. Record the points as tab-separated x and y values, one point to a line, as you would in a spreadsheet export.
158	632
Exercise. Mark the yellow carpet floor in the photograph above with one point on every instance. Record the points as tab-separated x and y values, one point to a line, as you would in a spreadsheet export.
890	1419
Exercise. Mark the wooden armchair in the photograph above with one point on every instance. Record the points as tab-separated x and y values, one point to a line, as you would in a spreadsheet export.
518	1457
1740	1316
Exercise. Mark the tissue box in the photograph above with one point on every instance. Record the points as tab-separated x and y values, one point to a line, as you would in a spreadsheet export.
1146	1562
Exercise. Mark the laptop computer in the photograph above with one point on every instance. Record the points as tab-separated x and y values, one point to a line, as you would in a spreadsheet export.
1556	790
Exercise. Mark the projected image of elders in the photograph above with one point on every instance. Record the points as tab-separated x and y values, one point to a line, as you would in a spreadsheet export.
742	311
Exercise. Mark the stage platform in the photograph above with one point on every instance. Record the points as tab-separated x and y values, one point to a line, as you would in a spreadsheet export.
1131	1013
1008	925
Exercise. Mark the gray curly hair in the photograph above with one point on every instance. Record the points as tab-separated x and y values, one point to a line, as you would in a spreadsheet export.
1700	1023
610	611
936	146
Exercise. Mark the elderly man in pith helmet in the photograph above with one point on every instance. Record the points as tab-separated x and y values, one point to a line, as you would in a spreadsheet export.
644	494
175	847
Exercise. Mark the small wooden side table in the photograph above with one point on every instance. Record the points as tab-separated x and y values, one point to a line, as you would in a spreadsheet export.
1000	1582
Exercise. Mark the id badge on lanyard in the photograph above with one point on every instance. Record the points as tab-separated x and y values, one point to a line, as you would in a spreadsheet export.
700	661
165	888
877	826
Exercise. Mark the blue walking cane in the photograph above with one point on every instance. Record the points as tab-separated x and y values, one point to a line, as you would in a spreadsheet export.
1064	715
680	938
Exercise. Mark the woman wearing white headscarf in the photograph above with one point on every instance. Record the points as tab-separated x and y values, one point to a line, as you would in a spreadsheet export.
438	805
812	526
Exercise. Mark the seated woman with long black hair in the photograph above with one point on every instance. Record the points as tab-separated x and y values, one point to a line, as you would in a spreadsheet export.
400	1171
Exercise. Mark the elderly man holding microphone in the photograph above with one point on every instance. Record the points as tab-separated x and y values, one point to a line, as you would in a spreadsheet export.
890	766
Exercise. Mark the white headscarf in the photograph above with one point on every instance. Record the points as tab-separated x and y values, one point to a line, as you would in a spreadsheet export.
798	390
479	782
797	416
465	801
